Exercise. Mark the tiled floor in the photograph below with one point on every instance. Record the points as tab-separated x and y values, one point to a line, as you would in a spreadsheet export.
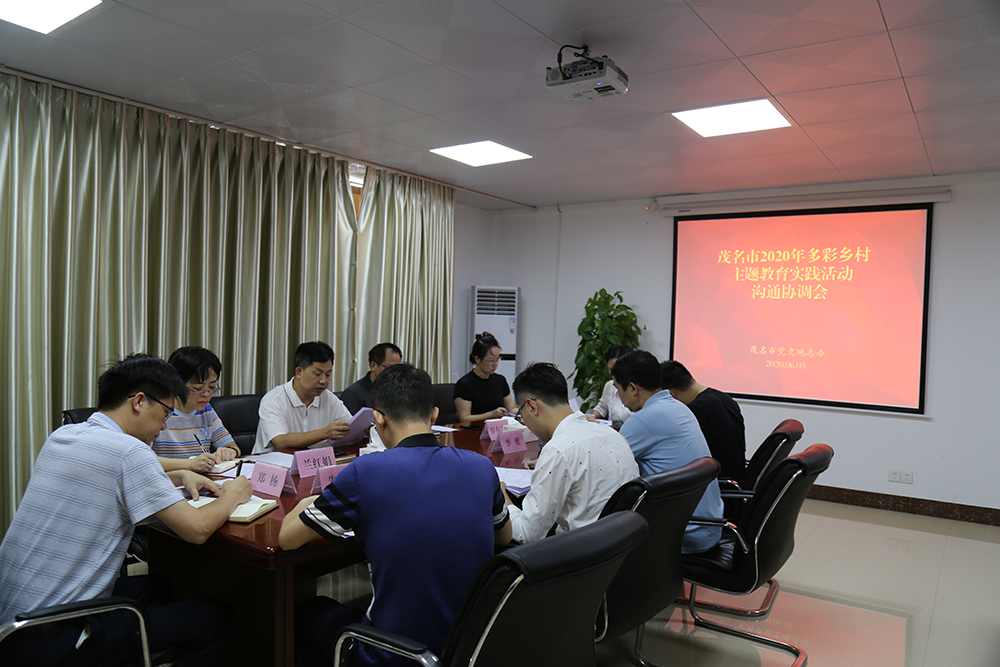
864	587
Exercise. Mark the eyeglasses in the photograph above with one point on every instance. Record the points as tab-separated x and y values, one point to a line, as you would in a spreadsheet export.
494	360
169	409
518	416
203	391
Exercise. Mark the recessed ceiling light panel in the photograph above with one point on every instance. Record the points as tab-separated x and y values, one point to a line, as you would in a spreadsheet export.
481	153
733	118
44	16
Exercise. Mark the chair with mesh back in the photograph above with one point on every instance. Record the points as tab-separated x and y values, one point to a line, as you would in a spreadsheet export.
765	538
531	605
653	575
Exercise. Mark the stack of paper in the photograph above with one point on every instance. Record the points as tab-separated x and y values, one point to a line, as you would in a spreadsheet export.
518	480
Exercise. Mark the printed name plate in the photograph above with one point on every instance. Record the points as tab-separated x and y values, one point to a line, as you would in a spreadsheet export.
308	461
325	475
271	480
509	442
492	429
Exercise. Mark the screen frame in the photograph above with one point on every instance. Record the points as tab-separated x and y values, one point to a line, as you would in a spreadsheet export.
927	207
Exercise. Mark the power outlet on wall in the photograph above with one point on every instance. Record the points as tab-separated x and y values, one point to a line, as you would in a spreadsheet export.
906	477
894	475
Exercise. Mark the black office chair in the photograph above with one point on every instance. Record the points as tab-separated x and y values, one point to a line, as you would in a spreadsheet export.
77	415
63	613
531	605
240	414
444	401
652	576
765	539
775	448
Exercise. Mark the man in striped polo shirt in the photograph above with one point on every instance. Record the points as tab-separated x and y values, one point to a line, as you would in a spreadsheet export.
91	485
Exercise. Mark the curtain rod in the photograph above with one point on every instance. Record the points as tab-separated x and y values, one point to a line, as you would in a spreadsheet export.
259	135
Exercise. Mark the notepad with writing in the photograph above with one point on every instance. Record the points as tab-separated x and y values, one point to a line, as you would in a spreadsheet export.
245	512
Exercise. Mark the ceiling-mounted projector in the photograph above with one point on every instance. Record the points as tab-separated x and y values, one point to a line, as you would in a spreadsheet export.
587	78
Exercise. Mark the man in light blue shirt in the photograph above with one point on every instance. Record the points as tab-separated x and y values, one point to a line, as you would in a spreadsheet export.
664	435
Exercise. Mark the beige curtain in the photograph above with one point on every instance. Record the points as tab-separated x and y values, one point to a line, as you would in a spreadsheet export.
127	230
405	269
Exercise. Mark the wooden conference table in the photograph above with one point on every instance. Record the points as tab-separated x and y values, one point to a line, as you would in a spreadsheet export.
243	564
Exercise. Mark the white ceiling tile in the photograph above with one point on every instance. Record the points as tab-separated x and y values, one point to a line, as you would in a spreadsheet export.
379	80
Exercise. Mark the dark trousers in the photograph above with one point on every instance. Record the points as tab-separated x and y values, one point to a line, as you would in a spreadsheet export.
318	622
199	628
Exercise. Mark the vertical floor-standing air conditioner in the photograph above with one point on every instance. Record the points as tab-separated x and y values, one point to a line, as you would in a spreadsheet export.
494	309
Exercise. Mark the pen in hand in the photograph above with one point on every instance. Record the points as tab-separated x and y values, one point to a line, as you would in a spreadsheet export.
239	467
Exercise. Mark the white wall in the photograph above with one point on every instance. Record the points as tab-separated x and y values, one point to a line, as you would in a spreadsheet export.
559	259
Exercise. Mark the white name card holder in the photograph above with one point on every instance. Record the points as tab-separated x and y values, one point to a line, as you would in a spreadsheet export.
271	480
509	442
492	429
325	475
308	461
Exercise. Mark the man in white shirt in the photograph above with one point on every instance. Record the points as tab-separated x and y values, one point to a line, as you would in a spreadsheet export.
580	467
302	411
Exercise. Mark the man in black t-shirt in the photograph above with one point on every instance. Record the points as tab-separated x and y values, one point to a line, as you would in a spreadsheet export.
718	415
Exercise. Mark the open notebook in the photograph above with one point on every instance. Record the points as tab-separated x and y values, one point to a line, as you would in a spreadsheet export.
244	513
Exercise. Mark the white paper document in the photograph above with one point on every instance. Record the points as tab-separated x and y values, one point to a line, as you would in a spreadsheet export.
518	480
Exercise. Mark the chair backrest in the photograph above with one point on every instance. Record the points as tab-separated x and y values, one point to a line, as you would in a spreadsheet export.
535	604
77	415
444	401
775	448
768	526
653	574
240	414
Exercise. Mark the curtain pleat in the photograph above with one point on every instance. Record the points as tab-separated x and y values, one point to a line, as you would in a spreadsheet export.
405	268
128	230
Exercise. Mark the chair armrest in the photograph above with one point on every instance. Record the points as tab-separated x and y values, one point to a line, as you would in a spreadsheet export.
728	485
721	523
79	609
385	640
736	495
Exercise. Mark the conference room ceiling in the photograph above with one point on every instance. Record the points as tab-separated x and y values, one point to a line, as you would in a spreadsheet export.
875	89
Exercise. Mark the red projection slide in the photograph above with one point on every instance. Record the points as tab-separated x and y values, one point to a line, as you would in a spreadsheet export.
825	307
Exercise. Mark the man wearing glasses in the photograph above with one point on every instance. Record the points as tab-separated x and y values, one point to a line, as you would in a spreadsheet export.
582	464
380	357
195	438
92	483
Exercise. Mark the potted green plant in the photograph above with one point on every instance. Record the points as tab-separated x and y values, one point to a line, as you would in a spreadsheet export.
607	321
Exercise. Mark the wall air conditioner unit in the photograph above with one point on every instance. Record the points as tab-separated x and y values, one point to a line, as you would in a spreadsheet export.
494	309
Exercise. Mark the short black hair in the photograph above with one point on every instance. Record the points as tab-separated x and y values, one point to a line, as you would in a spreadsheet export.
136	373
376	355
316	352
404	394
543	381
674	376
616	351
193	363
638	367
484	343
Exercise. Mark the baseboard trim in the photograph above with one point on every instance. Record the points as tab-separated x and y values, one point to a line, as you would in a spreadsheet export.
884	501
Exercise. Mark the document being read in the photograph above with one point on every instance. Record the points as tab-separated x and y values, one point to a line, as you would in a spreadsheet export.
360	422
518	480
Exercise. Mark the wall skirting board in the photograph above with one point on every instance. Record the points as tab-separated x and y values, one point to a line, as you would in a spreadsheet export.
884	501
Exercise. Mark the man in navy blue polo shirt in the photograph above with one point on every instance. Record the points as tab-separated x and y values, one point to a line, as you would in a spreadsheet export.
428	517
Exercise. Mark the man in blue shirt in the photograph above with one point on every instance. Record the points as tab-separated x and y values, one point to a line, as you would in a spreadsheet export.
427	515
664	435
